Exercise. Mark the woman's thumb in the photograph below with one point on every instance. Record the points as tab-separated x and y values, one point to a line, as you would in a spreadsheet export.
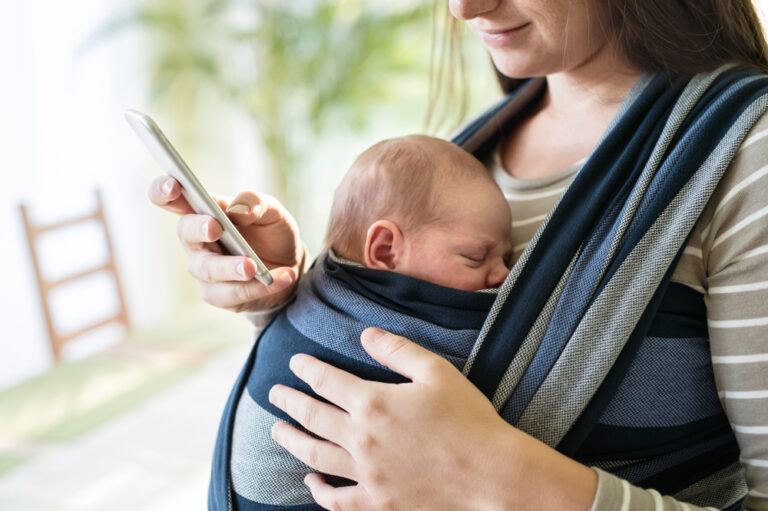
399	354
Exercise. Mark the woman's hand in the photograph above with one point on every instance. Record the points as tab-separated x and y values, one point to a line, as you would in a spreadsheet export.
409	446
435	443
227	281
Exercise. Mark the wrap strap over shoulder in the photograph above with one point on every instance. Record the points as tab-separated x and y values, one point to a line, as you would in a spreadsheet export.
578	304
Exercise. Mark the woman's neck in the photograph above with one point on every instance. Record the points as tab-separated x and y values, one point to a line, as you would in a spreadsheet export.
567	124
598	84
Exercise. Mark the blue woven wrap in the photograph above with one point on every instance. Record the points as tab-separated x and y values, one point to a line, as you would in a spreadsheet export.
334	304
588	346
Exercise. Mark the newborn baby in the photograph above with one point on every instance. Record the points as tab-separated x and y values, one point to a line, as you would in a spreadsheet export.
423	207
419	235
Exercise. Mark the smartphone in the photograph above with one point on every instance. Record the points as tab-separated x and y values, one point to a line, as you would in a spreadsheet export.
200	200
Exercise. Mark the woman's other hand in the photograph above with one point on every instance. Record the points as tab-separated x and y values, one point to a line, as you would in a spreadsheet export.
435	443
227	281
409	446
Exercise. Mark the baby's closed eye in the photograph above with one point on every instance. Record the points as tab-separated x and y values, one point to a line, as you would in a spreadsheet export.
474	259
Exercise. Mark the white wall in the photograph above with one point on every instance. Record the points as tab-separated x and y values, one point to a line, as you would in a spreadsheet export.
62	134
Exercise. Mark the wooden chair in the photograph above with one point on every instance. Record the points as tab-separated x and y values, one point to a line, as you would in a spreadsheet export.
45	286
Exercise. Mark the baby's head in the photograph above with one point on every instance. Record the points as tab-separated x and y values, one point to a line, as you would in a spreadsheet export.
423	207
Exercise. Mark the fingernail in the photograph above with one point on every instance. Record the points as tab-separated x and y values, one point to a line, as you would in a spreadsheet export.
294	364
238	209
204	231
372	334
309	480
286	278
167	186
272	395
241	269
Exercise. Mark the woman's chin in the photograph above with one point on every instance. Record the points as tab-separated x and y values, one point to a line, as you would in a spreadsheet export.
518	66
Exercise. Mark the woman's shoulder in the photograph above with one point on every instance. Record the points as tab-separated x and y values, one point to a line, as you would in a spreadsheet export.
734	224
736	218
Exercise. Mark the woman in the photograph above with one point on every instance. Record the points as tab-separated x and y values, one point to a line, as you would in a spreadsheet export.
439	442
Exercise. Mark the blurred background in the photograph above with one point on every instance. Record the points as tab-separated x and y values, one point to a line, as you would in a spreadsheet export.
277	97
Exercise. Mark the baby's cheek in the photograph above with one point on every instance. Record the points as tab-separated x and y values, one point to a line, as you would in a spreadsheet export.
470	279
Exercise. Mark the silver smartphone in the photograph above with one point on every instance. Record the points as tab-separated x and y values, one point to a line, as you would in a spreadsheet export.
200	200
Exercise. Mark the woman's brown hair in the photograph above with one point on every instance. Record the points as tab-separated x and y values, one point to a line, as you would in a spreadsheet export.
678	36
687	36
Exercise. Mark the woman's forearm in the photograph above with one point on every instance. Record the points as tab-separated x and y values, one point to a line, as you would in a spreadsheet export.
522	473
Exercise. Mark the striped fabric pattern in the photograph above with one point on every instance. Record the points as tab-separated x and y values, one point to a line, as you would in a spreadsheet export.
726	263
590	338
336	301
612	233
732	281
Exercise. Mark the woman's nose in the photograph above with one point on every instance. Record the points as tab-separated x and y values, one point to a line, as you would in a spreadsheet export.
468	9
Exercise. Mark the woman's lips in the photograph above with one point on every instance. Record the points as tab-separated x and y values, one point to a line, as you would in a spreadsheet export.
498	38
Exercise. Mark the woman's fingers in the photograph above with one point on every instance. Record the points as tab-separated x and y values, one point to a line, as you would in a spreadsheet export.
328	381
213	267
196	230
251	208
166	193
320	455
237	293
268	227
324	420
396	434
346	497
228	281
402	355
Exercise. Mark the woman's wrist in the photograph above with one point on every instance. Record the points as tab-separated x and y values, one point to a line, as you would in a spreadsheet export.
267	305
523	473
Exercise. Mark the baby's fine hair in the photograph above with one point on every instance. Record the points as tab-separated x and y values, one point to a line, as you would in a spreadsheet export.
397	179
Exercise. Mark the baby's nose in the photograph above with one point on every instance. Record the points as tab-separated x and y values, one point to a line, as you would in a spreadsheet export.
497	275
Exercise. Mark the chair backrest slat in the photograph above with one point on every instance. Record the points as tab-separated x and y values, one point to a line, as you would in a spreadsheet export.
45	286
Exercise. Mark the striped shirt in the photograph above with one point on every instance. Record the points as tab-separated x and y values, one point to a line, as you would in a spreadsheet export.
726	260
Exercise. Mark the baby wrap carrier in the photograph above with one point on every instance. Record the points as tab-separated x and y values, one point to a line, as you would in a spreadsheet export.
334	304
601	356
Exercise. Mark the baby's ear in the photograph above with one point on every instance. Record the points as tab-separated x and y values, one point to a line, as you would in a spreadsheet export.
383	245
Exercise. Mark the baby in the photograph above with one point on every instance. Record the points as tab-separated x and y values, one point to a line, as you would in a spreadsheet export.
418	238
423	207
